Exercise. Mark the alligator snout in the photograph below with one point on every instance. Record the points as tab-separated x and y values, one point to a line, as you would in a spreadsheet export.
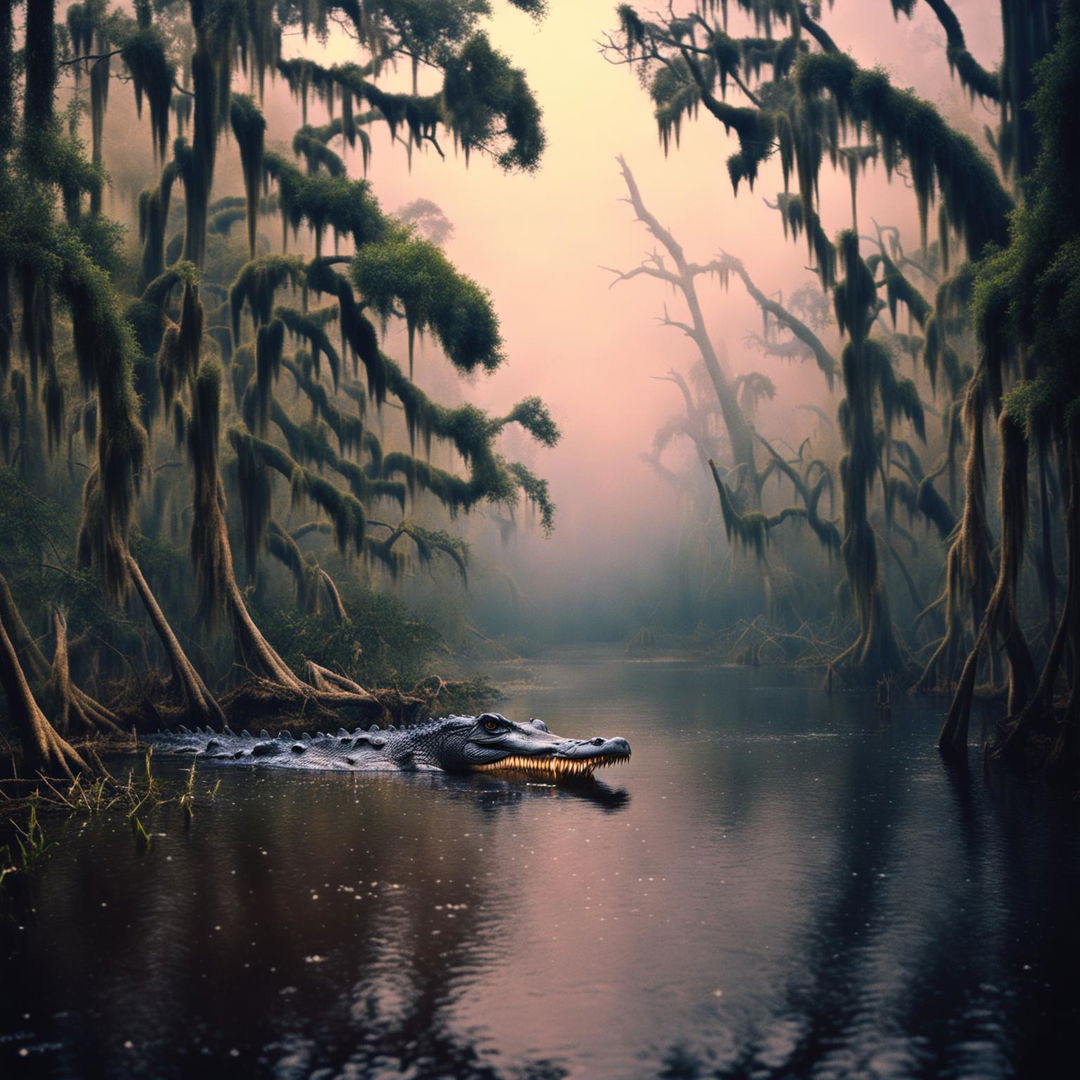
614	749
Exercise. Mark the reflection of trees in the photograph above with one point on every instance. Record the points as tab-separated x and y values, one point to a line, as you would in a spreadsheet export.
921	920
317	922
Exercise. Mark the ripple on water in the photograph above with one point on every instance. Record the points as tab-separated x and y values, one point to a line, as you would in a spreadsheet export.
780	883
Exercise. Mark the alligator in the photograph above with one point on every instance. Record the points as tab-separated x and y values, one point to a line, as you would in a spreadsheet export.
455	744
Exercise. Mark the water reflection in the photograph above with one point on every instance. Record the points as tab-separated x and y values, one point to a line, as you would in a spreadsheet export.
797	888
489	790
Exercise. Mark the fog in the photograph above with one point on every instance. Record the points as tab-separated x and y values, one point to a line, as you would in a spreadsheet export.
592	350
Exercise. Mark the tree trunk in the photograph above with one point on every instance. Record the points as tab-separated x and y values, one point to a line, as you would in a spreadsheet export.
199	703
45	752
71	703
255	653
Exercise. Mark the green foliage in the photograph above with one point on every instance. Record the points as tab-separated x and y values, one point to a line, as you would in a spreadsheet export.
152	75
482	90
380	644
406	269
326	202
907	128
797	216
532	414
141	357
1026	302
257	284
537	492
313	149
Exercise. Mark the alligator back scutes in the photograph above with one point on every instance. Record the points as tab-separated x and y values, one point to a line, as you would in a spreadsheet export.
228	733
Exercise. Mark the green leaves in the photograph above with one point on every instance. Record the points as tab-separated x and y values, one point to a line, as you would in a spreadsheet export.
414	273
479	90
324	201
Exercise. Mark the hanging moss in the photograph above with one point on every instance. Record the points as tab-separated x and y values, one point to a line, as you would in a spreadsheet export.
854	160
105	351
310	327
488	105
39	62
421	115
948	319
182	107
209	542
427	544
87	36
414	273
868	377
249	128
181	343
152	76
532	414
81	24
304	571
259	41
939	158
257	284
345	511
359	336
797	217
898	289
303	77
316	154
256	497
326	202
537	492
53	400
1030	31
216	30
348	126
269	341
37	320
220	222
309	445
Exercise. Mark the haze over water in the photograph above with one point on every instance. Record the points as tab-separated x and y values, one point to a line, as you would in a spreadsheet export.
781	883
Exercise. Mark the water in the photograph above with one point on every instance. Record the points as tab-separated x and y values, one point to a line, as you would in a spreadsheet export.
779	884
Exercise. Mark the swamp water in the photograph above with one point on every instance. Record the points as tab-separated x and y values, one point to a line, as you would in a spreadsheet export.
779	883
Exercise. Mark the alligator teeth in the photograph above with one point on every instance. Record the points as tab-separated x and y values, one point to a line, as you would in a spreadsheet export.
553	767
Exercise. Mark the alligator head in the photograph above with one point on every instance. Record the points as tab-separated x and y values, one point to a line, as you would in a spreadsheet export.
490	743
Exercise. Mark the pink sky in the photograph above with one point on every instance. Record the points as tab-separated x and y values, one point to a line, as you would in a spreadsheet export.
538	242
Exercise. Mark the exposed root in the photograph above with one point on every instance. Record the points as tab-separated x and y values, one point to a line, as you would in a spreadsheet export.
327	681
72	706
199	704
263	700
46	752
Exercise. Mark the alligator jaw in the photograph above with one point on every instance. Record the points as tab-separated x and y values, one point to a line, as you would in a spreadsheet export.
551	767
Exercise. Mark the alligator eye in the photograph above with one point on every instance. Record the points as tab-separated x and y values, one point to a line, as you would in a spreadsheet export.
491	725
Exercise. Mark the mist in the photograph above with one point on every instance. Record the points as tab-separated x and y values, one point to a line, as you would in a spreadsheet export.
594	348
